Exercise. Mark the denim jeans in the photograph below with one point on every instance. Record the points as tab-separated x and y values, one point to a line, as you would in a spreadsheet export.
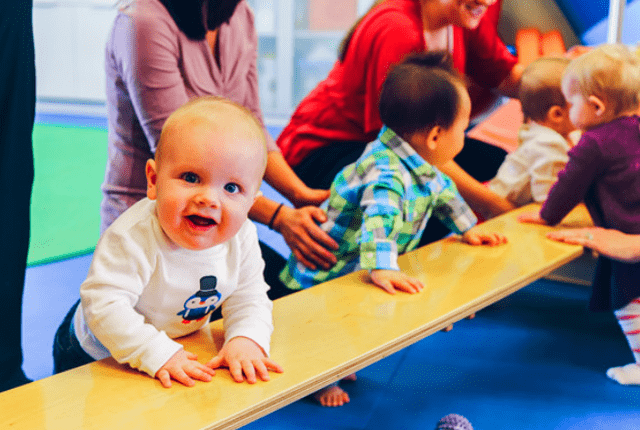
67	352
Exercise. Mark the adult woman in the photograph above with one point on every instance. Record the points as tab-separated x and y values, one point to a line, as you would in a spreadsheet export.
160	54
334	122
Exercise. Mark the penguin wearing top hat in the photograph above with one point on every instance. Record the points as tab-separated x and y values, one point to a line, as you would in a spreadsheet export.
201	303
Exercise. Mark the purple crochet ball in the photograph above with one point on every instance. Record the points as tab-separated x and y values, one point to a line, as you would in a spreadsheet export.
454	422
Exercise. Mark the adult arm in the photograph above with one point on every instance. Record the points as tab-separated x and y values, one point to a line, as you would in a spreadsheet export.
297	226
479	197
145	48
511	83
282	177
607	242
300	230
239	48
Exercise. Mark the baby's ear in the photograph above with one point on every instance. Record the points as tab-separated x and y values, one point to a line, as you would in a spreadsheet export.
598	103
433	138
556	113
152	178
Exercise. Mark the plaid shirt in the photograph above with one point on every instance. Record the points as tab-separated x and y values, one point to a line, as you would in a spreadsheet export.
378	209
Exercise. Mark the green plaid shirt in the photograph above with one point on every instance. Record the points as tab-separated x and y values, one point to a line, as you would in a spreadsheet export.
378	209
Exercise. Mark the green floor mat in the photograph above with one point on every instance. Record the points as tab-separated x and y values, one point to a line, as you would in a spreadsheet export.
65	204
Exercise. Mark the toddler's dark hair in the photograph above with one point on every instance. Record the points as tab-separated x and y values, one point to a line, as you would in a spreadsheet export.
421	92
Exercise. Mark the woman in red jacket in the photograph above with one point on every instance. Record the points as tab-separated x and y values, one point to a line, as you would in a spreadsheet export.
340	116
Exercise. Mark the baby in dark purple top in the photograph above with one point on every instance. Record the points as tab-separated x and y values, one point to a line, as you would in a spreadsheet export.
602	89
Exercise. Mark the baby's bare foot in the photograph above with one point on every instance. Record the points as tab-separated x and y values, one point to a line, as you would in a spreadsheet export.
350	378
331	396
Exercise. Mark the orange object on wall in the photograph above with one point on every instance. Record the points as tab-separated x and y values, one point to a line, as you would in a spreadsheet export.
531	44
332	14
528	45
552	44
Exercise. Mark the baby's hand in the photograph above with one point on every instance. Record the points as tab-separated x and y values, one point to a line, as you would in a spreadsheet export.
532	218
392	280
243	355
478	238
183	366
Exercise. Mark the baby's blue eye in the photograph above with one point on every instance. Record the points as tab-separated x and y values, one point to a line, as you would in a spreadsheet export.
232	188
190	177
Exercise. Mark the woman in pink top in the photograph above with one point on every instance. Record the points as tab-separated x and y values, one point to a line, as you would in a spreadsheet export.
160	54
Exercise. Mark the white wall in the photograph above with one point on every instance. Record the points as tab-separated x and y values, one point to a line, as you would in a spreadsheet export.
70	38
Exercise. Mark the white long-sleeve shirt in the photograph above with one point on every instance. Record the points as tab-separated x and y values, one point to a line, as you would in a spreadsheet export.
142	291
528	173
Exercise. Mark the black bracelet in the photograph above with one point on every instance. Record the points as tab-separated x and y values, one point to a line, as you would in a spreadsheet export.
275	214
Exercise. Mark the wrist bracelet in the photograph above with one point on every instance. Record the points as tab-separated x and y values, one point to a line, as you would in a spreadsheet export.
275	214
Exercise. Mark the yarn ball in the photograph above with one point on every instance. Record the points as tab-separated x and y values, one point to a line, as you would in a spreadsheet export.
454	422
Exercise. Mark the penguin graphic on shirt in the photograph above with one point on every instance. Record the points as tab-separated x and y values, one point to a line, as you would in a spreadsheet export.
201	303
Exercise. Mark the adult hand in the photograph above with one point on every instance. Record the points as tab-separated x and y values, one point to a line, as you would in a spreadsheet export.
610	243
308	242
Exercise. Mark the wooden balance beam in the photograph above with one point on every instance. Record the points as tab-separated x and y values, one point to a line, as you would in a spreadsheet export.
321	335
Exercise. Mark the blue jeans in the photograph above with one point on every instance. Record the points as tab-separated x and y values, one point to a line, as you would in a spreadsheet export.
67	352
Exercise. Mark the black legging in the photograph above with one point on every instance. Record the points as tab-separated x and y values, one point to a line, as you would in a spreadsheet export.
319	168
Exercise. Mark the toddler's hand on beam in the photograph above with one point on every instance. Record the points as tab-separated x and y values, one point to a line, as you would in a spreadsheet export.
479	238
245	359
184	368
394	280
532	218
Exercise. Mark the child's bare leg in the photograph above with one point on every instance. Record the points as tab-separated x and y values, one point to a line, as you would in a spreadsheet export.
629	320
332	396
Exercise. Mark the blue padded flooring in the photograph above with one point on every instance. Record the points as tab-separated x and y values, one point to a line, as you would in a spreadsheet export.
535	360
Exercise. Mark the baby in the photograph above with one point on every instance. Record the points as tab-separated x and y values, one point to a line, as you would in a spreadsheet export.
602	88
528	173
166	263
380	204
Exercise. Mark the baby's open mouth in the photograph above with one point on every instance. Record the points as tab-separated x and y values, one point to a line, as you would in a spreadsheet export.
201	221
